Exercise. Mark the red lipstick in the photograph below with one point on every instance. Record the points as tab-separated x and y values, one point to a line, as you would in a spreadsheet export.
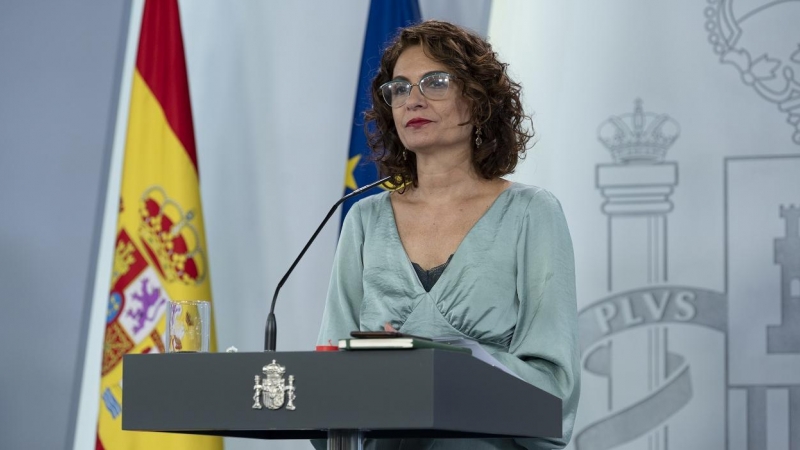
417	122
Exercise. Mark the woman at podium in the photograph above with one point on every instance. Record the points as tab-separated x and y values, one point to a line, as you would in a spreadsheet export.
458	250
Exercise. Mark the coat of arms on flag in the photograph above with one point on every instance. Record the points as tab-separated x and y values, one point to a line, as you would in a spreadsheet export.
160	248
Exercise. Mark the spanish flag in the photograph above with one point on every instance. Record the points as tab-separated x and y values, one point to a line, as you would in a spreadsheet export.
160	251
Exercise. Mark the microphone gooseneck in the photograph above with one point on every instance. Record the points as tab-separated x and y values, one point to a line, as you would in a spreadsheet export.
271	330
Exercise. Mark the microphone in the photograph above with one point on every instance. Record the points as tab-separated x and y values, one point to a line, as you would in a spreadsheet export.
271	331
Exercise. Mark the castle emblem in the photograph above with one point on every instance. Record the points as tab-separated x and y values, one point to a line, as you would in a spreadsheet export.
783	338
762	226
273	390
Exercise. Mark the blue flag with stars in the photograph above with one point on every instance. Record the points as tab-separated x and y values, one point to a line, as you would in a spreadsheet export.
385	18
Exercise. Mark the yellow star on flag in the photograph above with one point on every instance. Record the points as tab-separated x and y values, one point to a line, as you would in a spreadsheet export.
349	177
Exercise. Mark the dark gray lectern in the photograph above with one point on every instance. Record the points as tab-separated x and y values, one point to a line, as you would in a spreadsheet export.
343	396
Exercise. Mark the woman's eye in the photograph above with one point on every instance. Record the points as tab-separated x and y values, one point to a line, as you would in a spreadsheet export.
437	82
401	89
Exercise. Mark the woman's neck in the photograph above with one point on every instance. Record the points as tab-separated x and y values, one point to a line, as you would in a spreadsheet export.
442	176
443	172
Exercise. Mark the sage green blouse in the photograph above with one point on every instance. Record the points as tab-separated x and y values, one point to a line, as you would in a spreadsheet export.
510	286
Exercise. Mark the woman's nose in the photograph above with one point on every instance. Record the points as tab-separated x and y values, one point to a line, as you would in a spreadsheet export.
415	97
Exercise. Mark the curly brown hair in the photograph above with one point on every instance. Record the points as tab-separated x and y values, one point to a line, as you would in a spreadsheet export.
493	98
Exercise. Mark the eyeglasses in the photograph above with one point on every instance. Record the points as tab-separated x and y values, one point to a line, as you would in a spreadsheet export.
433	86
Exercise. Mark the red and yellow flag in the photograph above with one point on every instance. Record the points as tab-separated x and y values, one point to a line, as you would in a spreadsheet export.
160	251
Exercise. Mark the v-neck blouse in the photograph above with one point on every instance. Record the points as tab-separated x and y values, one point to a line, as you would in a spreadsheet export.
510	285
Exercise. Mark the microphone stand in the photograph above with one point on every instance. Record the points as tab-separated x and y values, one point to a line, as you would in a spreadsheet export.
271	331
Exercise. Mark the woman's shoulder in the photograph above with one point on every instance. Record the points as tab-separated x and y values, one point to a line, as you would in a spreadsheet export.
541	209
370	206
373	202
532	197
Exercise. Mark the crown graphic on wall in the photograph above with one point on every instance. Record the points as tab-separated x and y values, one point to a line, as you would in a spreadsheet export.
638	138
170	238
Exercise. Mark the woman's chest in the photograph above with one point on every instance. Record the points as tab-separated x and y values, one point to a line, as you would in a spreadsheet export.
476	295
429	235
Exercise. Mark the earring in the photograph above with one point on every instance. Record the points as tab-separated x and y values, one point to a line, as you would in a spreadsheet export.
405	154
478	139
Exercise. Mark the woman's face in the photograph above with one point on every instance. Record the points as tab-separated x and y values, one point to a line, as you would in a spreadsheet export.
430	125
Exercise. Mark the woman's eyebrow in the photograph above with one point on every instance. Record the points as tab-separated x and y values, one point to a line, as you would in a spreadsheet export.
401	77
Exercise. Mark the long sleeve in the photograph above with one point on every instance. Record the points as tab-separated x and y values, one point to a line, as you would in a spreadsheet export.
544	348
346	290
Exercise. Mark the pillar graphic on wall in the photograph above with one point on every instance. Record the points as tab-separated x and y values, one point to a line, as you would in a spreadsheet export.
637	189
785	338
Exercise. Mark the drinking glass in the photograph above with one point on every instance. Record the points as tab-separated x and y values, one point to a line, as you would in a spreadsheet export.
188	326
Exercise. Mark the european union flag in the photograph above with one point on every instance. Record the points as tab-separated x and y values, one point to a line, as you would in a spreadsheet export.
385	18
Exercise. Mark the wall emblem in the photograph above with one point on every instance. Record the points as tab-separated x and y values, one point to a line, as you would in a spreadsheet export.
752	40
658	355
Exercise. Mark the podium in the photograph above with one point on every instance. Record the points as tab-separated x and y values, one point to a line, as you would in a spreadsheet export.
343	396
